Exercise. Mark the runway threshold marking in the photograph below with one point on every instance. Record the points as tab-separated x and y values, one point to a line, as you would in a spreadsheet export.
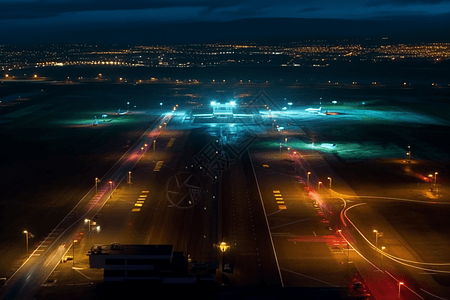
158	166
170	143
279	199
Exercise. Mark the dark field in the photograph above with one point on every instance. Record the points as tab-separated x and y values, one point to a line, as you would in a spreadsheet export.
51	153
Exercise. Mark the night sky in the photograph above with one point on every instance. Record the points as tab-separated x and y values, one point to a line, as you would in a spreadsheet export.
35	20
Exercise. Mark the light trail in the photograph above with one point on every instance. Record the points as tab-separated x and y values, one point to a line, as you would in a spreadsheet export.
390	198
395	258
398	281
433	294
366	259
342	212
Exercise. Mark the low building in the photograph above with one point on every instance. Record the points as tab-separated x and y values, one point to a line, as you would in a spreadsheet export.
143	262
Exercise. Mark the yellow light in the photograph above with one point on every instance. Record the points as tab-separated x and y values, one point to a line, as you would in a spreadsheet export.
223	246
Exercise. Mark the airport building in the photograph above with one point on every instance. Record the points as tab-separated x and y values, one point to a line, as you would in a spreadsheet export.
146	262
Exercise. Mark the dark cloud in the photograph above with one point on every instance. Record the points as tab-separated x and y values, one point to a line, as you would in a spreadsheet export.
400	3
309	9
45	8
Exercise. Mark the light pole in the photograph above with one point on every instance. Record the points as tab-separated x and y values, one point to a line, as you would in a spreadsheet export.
96	181
160	105
381	256
111	187
285	141
89	224
280	148
376	238
409	153
26	239
142	149
307	178
73	256
399	286
318	185
154	143
330	181
129	178
128	106
437	190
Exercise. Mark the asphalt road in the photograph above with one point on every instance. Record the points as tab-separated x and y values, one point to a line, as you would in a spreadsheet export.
303	263
245	229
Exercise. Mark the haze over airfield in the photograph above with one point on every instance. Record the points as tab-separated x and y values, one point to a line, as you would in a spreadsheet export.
48	21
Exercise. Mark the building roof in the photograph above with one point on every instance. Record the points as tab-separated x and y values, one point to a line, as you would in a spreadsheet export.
118	249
